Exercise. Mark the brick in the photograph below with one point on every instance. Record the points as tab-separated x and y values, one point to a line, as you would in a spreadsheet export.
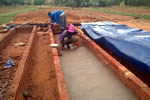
54	52
136	83
145	93
59	73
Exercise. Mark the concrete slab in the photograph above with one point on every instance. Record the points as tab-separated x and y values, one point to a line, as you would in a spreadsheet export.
89	79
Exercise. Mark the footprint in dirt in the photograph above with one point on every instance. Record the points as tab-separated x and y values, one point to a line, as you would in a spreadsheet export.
27	94
52	75
16	57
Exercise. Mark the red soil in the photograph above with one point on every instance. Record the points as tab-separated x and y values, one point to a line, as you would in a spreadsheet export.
14	53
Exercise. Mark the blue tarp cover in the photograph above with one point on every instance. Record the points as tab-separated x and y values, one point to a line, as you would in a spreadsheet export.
128	43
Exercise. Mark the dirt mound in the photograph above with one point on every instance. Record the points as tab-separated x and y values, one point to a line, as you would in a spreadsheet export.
76	15
89	16
39	16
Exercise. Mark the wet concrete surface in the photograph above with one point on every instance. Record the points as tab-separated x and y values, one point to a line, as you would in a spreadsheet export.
88	79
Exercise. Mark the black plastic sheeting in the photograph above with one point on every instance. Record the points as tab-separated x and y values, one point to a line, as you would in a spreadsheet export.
128	43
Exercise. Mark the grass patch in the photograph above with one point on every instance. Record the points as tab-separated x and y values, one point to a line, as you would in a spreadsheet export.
7	17
7	9
119	13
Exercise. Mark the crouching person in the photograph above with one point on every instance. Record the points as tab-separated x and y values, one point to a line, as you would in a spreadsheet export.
67	38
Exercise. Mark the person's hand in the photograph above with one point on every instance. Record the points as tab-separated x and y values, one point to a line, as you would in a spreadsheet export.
77	34
51	24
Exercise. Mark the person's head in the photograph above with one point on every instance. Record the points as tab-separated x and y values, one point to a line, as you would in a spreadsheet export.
71	28
49	14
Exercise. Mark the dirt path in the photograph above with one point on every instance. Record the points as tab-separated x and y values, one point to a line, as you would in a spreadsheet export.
89	79
42	83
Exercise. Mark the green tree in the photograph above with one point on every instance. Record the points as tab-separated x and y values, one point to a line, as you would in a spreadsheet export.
7	2
28	2
39	2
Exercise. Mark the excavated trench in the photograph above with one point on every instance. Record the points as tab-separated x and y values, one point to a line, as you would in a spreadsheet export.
9	50
33	76
37	74
41	82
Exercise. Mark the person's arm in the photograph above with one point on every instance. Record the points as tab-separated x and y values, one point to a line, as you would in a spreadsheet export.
61	39
52	18
62	36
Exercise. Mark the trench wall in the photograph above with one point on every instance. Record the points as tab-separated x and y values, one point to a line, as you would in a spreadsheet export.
18	85
63	92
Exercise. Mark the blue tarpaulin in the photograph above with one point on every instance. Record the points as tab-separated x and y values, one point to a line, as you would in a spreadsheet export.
128	43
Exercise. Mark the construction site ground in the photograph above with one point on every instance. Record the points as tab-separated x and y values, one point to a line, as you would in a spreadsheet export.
42	70
79	15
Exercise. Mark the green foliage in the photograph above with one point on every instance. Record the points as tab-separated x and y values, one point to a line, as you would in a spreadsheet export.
27	2
79	3
7	17
101	3
21	2
56	2
39	2
122	5
138	2
11	2
87	3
